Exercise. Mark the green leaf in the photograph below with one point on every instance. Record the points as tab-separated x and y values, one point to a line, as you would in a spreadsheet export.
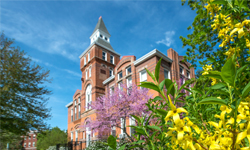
211	59
150	85
112	142
122	147
157	98
228	72
140	131
214	74
169	86
222	2
161	85
212	100
162	112
157	70
246	90
137	118
239	71
154	127
197	91
150	74
218	86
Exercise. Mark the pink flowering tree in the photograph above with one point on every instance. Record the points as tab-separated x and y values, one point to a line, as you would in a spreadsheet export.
117	104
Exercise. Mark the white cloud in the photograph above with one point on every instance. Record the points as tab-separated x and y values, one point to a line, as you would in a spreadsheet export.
46	35
168	39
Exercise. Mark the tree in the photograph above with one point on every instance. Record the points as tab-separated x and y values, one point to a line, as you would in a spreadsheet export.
51	138
14	141
204	43
22	91
116	106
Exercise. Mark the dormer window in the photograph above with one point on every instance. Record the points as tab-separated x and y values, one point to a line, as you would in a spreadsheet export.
101	36
106	38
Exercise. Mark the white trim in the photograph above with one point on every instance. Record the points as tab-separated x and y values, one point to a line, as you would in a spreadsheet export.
69	104
99	45
144	70
88	56
113	62
150	54
168	73
108	80
127	69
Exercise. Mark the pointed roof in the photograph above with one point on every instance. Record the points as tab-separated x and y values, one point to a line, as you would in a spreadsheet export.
101	26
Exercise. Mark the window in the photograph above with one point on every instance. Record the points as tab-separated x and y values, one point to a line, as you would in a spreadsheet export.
112	59
143	75
75	101
119	85
113	131
101	36
71	115
34	136
88	136
83	135
119	75
181	70
34	144
106	38
24	145
29	137
71	136
29	144
25	138
86	74
76	136
188	74
111	72
88	97
79	99
84	60
79	111
166	74
104	56
75	112
128	70
90	72
123	125
129	84
132	123
88	56
111	90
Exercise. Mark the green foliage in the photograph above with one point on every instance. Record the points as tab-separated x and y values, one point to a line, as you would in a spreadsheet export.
111	144
202	43
51	138
13	140
22	91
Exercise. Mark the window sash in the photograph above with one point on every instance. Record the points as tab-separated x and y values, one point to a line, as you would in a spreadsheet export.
128	70
166	74
143	76
104	55
88	56
111	59
119	75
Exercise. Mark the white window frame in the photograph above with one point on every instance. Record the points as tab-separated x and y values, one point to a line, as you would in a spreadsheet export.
72	134
104	56
29	144
25	138
34	136
84	60
88	136
182	70
76	136
29	137
88	56
72	114
75	112
119	85
144	70
79	110
24	145
89	71
122	121
113	61
131	123
128	84
111	72
34	144
188	76
86	74
168	73
127	70
119	75
88	95
79	99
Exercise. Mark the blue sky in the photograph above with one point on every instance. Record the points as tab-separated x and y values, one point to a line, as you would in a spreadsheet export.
55	33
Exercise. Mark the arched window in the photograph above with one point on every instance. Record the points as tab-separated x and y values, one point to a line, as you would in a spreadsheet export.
88	97
88	135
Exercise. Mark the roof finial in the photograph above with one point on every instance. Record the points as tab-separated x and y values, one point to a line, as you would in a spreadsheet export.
100	17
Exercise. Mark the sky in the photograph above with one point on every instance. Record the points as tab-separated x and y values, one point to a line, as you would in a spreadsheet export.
55	33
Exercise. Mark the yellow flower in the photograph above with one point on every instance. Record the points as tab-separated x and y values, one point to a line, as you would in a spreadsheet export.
180	128
174	112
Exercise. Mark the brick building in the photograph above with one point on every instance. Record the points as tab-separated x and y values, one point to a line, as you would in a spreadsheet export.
29	141
102	69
